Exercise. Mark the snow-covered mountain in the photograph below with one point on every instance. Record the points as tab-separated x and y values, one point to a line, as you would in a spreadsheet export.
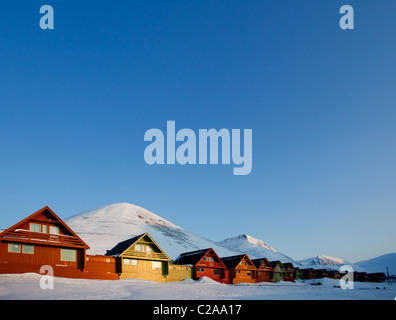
255	248
327	262
104	227
380	263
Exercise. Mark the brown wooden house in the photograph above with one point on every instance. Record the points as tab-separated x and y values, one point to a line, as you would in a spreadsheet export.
240	268
321	273
42	239
333	274
264	270
309	273
376	277
205	263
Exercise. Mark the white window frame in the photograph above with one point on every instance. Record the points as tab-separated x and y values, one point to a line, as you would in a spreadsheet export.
15	245
157	265
32	225
51	230
64	255
28	246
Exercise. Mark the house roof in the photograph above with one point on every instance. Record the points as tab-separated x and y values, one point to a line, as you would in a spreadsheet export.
192	257
233	261
42	210
275	263
258	262
288	265
122	246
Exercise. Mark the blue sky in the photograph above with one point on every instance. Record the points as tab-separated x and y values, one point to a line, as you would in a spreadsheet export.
76	101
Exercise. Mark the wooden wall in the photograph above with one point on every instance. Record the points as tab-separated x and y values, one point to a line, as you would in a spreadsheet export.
178	272
144	270
100	267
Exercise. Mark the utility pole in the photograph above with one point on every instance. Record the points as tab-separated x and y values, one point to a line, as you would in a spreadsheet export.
387	273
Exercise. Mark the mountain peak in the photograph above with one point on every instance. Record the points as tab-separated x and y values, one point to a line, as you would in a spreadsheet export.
255	248
104	227
122	213
322	261
251	240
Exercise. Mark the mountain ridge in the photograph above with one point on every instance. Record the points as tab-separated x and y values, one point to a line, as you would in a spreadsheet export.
104	227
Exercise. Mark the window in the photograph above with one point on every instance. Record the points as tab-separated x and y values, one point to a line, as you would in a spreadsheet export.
238	271
130	262
148	249
157	265
249	273
216	272
201	269
45	228
35	227
68	255
138	247
54	230
28	249
14	248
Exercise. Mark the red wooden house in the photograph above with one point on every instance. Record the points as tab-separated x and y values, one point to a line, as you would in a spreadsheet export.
290	272
205	263
264	270
44	239
241	268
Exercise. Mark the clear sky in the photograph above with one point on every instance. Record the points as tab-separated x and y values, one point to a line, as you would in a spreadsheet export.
76	101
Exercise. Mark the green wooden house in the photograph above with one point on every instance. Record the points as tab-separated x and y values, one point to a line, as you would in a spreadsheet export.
279	271
299	274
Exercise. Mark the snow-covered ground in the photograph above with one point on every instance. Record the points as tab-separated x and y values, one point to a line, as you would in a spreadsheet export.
27	286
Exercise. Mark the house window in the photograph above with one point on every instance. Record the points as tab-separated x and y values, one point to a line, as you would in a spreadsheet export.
238	271
45	228
68	255
216	272
148	249
127	262
54	230
157	265
259	273
28	249
249	273
201	269
14	248
35	227
138	247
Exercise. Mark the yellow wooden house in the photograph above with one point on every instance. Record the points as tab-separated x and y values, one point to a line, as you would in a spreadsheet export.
141	257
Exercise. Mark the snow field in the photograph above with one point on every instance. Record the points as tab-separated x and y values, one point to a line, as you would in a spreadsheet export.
26	287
